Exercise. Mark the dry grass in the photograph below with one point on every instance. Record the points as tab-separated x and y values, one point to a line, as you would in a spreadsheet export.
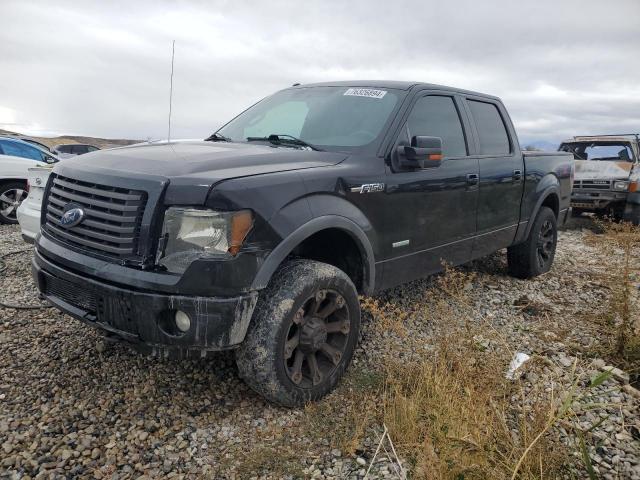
451	411
620	325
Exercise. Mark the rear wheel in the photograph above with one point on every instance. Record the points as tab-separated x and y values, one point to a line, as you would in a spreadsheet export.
535	256
302	335
11	196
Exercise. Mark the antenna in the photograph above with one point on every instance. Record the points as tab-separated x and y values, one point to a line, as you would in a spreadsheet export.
173	54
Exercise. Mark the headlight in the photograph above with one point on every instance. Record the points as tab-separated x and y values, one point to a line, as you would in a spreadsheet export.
190	233
621	185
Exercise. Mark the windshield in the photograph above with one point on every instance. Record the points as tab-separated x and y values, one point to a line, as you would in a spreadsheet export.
325	117
603	151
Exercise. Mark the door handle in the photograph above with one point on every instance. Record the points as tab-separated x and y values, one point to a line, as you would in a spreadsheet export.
517	175
473	178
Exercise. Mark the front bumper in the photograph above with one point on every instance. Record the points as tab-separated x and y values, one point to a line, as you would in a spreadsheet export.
594	200
145	318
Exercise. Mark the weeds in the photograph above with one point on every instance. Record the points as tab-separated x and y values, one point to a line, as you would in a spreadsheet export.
621	243
450	410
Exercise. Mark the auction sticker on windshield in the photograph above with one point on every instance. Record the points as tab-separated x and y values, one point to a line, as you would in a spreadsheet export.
365	92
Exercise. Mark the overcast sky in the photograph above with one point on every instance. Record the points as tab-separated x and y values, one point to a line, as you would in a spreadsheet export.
102	68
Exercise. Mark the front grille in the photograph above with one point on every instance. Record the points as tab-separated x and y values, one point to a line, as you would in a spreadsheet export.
71	294
111	225
592	184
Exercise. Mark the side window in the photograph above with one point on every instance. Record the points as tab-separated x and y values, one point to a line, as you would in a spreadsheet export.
16	149
91	148
494	139
437	116
64	148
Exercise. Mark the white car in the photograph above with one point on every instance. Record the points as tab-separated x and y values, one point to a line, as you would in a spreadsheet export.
16	157
30	209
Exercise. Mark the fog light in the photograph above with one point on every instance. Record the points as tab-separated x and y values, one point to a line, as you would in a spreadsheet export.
183	322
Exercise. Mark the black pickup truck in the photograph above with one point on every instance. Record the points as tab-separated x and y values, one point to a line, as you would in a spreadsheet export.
261	237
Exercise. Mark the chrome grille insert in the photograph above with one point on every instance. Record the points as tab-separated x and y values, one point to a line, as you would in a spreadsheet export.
111	224
593	184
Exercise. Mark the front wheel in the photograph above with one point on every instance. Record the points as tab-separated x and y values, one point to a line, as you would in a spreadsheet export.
11	196
302	335
535	256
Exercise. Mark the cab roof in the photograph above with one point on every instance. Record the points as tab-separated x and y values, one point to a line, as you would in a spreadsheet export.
392	84
622	137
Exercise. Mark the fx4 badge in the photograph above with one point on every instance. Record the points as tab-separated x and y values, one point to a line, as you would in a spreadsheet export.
368	188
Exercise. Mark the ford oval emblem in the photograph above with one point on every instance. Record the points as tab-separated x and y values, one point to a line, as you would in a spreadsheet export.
72	217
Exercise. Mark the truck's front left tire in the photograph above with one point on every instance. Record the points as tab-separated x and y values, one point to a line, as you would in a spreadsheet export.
302	335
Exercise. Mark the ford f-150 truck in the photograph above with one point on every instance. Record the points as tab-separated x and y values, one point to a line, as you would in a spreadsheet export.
260	238
607	175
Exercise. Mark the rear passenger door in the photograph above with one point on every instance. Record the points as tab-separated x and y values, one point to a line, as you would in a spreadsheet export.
501	175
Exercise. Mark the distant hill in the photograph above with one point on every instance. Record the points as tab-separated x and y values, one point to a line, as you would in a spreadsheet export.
96	141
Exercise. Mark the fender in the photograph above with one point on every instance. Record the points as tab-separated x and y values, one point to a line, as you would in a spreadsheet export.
554	188
548	185
303	232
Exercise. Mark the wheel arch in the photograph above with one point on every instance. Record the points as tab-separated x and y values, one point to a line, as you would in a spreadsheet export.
5	180
323	225
549	197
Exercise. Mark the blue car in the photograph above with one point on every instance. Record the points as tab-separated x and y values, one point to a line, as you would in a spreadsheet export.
16	157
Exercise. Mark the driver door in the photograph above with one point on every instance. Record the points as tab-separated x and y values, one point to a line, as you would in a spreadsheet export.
431	211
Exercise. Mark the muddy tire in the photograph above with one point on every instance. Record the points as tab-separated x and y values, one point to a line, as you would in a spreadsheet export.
302	334
535	256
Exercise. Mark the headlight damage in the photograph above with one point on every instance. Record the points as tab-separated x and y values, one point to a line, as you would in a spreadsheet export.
190	233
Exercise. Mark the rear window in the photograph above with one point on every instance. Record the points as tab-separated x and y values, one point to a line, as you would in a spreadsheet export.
494	139
64	148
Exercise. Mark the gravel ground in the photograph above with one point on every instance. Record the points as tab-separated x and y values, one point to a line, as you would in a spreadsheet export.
72	406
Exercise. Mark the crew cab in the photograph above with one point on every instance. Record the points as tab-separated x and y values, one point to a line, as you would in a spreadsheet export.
260	238
607	175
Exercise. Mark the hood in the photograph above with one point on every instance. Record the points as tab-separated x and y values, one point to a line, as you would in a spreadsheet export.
190	168
602	170
213	160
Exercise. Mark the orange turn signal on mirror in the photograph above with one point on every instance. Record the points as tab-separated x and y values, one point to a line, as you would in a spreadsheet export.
241	224
434	157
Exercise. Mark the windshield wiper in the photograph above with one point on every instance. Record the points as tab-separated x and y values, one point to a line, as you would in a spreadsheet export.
283	139
217	137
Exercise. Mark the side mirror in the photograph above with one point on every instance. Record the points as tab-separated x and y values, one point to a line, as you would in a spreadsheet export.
50	159
424	152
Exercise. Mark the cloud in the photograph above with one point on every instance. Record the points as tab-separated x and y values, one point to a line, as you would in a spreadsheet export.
102	68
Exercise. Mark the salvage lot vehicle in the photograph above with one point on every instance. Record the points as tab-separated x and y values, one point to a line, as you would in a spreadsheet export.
73	149
260	238
607	175
16	157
